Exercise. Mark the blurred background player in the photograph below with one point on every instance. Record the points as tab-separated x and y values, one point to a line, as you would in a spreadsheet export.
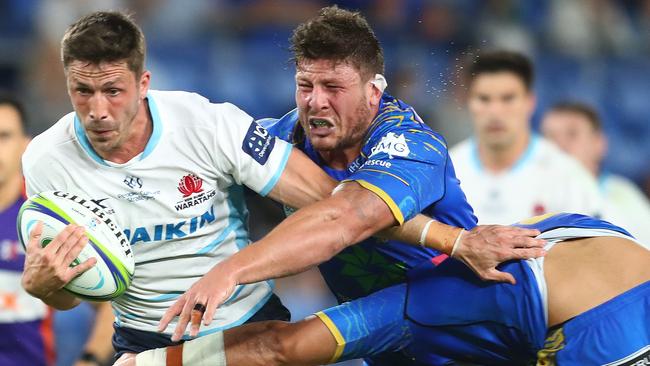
25	322
577	129
586	303
506	170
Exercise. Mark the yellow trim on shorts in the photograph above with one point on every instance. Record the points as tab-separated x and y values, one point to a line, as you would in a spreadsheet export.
340	341
385	197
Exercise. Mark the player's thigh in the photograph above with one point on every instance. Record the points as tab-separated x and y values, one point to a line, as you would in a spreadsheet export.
369	326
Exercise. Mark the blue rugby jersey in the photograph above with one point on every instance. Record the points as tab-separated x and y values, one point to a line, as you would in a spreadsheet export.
406	164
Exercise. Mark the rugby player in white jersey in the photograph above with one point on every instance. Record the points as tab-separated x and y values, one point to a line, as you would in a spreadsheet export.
505	169
577	129
170	166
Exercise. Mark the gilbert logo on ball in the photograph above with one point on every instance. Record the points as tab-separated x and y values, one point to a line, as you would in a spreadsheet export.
114	270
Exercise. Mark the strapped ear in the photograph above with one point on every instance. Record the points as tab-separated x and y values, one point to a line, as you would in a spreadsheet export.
379	84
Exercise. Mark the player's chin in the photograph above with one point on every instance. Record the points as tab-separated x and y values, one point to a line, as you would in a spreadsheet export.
323	143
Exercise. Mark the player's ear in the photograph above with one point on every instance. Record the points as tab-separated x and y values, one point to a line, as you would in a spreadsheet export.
143	83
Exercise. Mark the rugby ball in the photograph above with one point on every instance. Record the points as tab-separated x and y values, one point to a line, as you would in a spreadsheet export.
113	272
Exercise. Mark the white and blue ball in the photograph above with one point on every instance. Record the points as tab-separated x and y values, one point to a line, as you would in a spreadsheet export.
113	273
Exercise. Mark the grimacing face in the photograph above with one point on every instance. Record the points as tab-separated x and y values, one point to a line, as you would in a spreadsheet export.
106	98
334	103
574	134
501	106
13	142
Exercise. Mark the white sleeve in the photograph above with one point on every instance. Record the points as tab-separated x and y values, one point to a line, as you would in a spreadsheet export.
583	195
33	182
247	151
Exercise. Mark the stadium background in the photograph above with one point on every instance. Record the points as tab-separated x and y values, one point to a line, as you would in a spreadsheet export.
588	50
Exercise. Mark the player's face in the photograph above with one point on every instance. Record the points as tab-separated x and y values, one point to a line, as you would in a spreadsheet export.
106	98
335	105
574	134
12	142
501	106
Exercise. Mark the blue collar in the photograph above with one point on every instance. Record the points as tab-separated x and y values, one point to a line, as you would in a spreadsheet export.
151	144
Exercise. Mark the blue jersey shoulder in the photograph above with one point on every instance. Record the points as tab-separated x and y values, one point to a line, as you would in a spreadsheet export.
399	131
283	127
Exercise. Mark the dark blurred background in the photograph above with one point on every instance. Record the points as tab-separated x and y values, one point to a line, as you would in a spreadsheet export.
591	50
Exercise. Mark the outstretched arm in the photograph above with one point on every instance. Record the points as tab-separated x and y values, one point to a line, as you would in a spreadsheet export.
482	249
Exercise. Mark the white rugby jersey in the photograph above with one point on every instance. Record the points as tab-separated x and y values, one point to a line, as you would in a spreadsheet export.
180	201
625	205
543	180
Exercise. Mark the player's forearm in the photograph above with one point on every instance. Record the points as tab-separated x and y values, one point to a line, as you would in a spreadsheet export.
309	237
436	236
61	300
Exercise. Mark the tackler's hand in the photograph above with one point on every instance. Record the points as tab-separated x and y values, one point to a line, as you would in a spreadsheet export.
483	248
199	303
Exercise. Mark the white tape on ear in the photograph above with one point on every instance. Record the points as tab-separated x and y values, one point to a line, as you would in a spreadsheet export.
379	82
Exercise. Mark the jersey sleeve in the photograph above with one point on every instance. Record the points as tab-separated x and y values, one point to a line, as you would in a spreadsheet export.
582	195
406	168
247	151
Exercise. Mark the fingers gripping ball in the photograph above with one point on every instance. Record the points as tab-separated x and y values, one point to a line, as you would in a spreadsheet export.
114	270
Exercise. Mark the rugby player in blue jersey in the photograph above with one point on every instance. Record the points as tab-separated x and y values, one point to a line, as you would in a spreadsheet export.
392	167
587	302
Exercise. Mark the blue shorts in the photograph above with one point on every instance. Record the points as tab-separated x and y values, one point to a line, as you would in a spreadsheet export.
136	341
614	333
371	326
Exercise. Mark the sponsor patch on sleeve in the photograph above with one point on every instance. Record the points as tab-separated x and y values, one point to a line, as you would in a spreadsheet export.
258	143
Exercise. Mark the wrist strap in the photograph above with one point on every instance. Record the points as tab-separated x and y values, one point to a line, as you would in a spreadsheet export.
425	231
457	242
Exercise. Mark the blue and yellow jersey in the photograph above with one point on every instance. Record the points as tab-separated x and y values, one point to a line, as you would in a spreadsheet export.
406	164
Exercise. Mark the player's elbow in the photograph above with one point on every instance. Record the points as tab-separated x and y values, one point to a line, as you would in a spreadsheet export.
348	226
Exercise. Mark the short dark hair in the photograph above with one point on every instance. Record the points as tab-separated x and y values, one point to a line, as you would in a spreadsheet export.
502	61
582	109
104	36
339	35
8	99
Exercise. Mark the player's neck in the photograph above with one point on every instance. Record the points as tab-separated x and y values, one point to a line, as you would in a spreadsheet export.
10	191
499	159
340	159
140	132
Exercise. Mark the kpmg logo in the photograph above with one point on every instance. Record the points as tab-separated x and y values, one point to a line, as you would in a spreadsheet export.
258	143
132	182
393	145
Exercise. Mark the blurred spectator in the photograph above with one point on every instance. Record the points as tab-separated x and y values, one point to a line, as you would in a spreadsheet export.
25	322
587	28
576	128
507	172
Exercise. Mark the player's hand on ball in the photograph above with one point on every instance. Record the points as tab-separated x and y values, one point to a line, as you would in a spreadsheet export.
486	246
47	269
199	303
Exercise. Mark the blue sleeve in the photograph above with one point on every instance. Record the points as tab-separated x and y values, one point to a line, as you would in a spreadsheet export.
406	168
283	127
